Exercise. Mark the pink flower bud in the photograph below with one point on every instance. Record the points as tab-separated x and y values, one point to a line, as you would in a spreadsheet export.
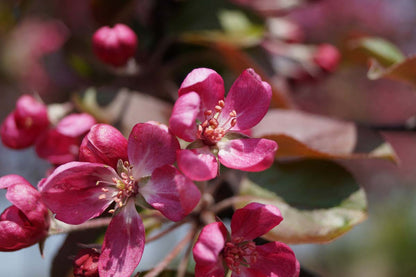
327	57
86	263
114	46
23	126
27	221
103	144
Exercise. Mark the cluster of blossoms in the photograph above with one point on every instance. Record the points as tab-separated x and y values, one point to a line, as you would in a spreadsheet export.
114	175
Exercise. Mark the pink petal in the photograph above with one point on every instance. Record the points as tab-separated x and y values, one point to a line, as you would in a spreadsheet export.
170	192
275	259
12	235
73	193
75	125
254	220
103	144
182	122
252	154
31	113
123	243
149	147
11	179
207	83
197	164
14	137
57	148
250	97
207	249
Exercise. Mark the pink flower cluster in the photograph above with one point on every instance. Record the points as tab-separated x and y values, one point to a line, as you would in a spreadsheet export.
114	175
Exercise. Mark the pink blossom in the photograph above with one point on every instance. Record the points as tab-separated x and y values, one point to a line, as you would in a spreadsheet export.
86	263
221	123
216	251
78	191
61	144
27	221
23	126
114	46
327	57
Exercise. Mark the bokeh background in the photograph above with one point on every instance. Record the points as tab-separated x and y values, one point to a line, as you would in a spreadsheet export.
45	48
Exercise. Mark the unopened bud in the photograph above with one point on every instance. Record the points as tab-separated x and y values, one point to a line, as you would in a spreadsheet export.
114	46
86	263
327	57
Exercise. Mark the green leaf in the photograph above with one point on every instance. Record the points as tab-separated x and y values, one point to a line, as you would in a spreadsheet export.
380	49
319	200
404	71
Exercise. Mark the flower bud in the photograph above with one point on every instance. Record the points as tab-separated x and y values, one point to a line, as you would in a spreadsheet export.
327	57
86	263
23	126
103	144
114	46
27	221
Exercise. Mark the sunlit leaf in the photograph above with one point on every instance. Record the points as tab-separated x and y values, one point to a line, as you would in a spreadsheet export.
319	200
380	49
404	71
299	134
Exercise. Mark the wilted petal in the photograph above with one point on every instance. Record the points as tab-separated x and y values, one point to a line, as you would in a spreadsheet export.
254	220
123	243
57	148
103	144
75	125
197	164
252	154
150	146
207	83
275	259
207	249
250	97
182	122
74	191
170	192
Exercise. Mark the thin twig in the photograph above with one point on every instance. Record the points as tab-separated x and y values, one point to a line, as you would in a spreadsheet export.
61	228
229	202
185	259
168	230
168	258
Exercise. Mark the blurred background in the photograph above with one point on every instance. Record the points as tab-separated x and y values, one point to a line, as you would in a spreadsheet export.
45	49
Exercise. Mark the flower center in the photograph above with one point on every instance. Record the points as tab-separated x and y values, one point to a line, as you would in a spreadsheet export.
239	252
126	185
210	130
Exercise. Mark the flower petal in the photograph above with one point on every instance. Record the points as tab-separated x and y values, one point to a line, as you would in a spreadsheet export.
74	191
75	125
103	144
123	243
254	220
170	192
275	259
252	154
250	97
150	146
14	137
57	148
198	164
207	249
207	83
182	122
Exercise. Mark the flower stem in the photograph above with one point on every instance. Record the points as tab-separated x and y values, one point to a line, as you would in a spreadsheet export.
231	201
185	259
58	227
168	230
168	258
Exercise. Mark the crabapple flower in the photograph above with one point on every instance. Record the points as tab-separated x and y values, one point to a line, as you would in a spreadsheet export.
27	221
216	251
327	57
61	144
216	126
23	126
86	263
114	46
78	191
